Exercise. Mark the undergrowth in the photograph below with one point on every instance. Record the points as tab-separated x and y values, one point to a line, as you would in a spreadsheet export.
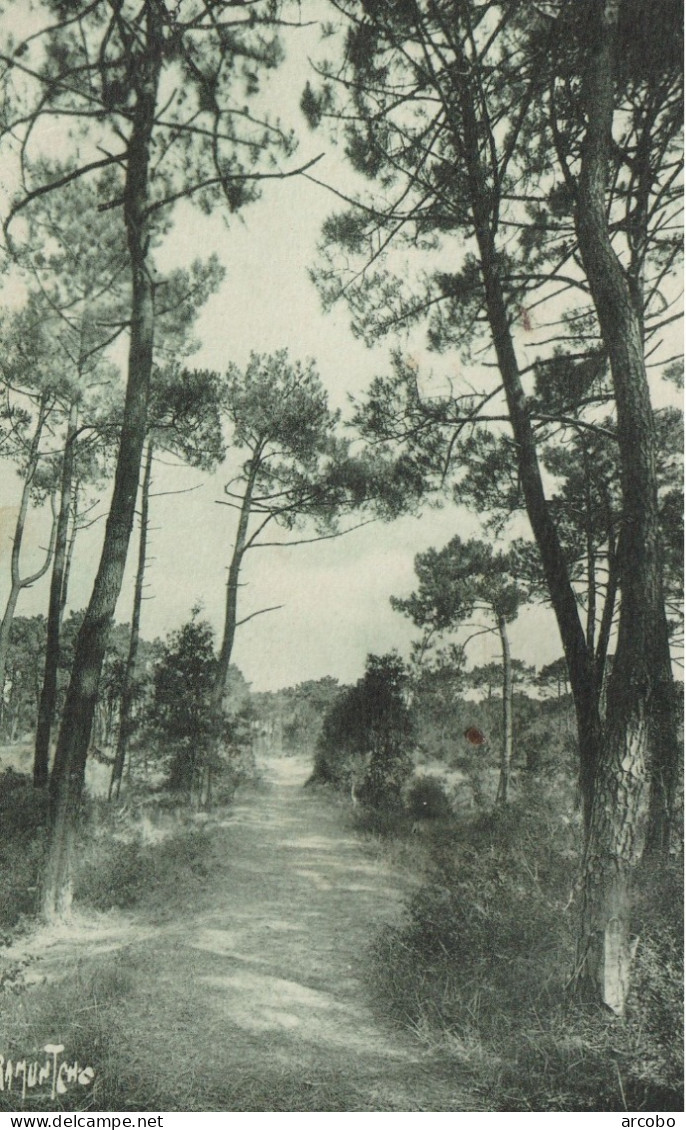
84	1014
122	873
22	849
481	964
126	852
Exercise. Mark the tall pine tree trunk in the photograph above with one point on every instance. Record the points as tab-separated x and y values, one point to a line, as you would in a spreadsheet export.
619	816
506	748
580	663
613	776
228	636
127	687
48	696
67	778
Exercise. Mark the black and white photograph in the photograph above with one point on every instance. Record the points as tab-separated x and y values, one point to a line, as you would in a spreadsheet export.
341	559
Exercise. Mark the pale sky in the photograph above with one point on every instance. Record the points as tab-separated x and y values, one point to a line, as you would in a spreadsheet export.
336	593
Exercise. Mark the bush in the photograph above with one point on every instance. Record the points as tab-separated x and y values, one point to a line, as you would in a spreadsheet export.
180	713
367	734
116	876
656	1015
427	799
192	747
391	824
23	808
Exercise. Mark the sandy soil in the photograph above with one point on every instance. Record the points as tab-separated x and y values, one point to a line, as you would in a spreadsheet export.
252	996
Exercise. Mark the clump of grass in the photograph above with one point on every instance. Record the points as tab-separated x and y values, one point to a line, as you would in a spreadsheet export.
83	1013
482	962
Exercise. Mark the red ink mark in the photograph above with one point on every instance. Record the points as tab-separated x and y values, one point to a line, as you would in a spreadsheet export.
474	736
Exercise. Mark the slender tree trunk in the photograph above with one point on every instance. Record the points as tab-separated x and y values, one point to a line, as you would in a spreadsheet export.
48	694
231	608
17	586
562	595
127	688
5	630
228	636
17	582
619	817
67	778
205	787
506	748
69	557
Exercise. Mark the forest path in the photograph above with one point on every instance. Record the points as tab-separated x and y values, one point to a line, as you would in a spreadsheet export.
249	994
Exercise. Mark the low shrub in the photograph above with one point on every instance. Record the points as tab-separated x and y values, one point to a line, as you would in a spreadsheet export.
655	1007
427	799
484	940
121	873
22	807
483	960
239	768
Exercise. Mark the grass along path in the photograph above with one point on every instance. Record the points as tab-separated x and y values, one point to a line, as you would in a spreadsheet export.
246	992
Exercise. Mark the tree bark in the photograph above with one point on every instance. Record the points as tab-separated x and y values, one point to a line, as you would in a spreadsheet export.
665	749
67	778
48	696
127	687
503	795
619	816
606	621
591	587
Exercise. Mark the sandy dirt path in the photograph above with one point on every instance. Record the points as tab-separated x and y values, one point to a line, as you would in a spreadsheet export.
252	997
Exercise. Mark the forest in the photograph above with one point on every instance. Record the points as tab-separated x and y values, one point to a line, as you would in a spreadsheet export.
390	816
